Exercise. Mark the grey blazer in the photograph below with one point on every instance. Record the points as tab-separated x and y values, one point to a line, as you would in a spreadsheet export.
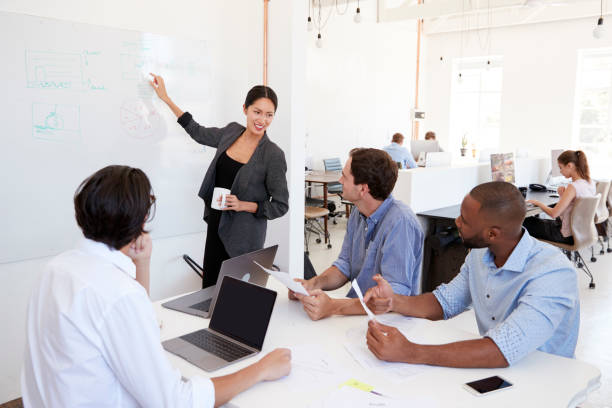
262	180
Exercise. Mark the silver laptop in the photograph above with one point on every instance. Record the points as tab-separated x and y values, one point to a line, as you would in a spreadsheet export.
202	302
237	327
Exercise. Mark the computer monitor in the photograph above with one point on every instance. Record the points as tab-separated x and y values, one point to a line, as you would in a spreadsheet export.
554	166
418	146
502	167
438	159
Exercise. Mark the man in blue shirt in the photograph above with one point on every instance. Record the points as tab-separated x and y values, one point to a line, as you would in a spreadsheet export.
523	291
399	153
383	237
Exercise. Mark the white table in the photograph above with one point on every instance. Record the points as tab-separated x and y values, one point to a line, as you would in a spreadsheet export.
540	380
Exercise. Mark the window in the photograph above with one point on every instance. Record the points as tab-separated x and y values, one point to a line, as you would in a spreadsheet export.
592	124
476	103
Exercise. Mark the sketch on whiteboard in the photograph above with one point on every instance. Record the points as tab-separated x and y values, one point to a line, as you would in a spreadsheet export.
56	122
62	70
140	119
55	70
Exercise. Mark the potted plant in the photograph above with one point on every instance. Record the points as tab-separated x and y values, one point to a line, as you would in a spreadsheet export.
464	143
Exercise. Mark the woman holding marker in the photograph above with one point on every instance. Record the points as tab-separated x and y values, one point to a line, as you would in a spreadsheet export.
249	164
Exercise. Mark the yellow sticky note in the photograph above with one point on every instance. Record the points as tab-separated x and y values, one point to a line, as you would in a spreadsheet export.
357	384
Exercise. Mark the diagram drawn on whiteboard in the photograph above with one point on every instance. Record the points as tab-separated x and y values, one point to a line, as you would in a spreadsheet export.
140	119
56	122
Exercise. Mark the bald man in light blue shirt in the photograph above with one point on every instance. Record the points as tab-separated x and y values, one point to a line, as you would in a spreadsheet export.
524	292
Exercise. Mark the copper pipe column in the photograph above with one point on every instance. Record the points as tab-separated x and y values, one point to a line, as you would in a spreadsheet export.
415	129
265	43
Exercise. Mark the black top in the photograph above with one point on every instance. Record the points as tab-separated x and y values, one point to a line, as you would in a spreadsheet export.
225	173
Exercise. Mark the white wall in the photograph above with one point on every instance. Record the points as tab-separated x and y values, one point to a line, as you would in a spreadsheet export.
234	32
539	80
360	84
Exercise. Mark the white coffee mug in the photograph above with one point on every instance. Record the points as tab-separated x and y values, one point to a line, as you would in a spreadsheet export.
222	193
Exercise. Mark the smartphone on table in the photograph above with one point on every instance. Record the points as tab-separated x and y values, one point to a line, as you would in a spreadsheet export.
487	385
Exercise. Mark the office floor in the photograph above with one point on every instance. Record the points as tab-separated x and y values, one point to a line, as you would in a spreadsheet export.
595	314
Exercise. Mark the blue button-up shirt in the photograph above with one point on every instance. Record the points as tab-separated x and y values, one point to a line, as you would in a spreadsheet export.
400	154
530	303
388	242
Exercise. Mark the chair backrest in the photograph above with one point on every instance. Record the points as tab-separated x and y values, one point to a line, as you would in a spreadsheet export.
602	213
332	164
582	221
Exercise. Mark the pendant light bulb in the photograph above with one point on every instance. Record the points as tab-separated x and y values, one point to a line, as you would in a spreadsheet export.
309	24
319	41
599	30
357	17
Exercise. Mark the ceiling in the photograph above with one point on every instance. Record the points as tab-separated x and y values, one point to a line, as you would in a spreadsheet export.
441	16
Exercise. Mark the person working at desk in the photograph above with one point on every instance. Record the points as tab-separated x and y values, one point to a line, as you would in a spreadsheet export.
523	291
383	237
431	135
399	153
574	165
92	336
249	164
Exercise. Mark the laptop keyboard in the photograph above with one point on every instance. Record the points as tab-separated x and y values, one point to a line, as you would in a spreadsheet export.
202	306
216	345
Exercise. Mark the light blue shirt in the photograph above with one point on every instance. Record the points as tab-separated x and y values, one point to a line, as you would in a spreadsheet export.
388	242
530	303
400	154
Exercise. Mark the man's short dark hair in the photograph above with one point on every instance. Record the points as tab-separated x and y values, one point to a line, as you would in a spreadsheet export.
112	205
375	168
398	138
502	200
430	135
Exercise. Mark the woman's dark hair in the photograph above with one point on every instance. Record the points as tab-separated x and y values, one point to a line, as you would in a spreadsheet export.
580	161
112	205
261	91
375	168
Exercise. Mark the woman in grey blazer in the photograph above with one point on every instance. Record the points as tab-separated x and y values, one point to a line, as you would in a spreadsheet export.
249	164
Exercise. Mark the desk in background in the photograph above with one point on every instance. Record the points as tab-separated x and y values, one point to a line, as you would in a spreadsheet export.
324	178
540	380
444	252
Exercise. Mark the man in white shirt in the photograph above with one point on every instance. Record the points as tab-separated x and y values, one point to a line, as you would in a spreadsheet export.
92	335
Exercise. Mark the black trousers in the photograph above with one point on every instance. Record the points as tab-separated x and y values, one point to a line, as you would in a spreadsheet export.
549	230
214	250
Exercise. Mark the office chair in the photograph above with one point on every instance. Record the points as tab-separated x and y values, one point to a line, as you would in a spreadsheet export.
334	164
313	226
609	225
583	231
601	216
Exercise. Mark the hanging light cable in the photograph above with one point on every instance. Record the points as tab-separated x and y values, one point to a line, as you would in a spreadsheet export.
357	17
599	30
309	22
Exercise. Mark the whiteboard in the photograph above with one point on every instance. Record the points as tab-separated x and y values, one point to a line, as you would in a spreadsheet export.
76	98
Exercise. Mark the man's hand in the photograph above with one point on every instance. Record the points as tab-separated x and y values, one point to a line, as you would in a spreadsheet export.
309	285
387	343
380	297
140	249
275	364
318	305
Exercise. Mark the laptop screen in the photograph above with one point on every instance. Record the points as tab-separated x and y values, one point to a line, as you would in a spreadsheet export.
243	311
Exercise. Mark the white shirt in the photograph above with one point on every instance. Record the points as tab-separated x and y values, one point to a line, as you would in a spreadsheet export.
93	339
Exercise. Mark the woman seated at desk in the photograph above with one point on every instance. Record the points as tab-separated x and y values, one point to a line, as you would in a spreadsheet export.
573	164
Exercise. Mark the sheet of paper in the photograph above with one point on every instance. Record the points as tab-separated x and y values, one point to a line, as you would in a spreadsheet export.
312	366
286	280
356	346
350	397
360	295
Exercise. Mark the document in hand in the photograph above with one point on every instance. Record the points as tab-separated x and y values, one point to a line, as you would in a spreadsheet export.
360	295
286	279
